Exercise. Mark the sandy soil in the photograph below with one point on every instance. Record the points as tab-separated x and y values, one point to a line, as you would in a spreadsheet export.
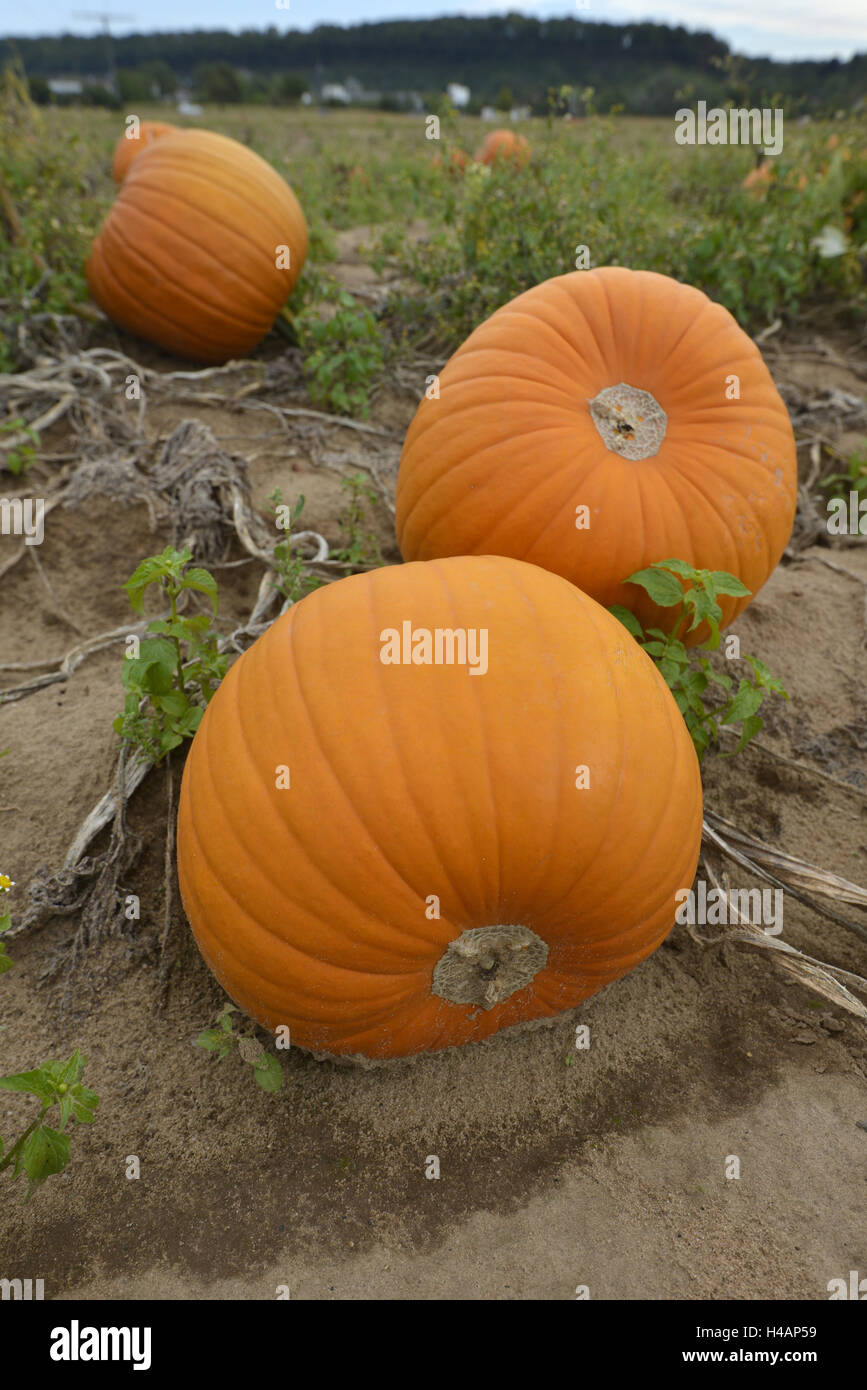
558	1168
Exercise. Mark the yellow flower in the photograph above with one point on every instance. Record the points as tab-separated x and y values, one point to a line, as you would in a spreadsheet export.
5	883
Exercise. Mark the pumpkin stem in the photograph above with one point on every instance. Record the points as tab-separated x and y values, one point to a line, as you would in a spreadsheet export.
484	965
630	422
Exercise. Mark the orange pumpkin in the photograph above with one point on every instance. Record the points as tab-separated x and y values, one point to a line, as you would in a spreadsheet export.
201	248
504	146
600	422
391	854
130	145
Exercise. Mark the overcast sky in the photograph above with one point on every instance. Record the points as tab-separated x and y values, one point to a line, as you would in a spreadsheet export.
779	28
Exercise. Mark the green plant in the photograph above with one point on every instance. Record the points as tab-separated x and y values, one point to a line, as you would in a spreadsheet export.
47	204
223	1038
853	480
672	584
291	577
44	1149
19	458
344	352
361	549
174	674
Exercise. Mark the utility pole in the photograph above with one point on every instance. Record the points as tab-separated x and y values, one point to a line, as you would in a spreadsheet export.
106	19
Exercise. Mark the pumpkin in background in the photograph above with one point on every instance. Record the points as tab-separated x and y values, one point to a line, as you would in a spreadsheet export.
393	858
600	422
504	146
130	146
187	257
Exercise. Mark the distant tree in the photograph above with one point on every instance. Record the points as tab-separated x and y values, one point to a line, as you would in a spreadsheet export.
218	83
288	89
133	84
97	95
162	79
505	100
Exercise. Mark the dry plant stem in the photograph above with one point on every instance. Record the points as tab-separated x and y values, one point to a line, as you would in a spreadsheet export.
818	975
68	664
712	837
798	871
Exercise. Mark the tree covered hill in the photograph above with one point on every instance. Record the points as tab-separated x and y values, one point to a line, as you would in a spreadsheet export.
645	68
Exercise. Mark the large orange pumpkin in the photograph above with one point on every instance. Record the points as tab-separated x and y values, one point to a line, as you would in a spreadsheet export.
188	255
504	146
395	856
130	145
600	422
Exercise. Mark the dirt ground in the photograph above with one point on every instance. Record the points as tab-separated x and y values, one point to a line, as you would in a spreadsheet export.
559	1168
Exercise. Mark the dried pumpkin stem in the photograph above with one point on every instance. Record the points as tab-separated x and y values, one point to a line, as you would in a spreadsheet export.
630	421
485	965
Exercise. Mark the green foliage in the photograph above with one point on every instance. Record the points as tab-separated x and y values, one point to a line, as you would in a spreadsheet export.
47	214
20	458
360	549
635	198
853	480
291	576
344	352
177	671
43	1149
688	674
217	82
222	1039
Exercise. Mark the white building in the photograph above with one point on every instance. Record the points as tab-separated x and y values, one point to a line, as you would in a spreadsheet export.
336	92
458	95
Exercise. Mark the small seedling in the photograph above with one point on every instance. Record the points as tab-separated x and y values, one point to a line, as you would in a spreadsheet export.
43	1149
675	584
176	672
291	577
223	1038
361	549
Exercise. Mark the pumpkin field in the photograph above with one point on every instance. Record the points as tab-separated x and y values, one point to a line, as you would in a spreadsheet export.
433	732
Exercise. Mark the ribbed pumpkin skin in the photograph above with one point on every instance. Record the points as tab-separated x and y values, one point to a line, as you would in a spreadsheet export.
409	780
499	463
506	146
129	148
186	257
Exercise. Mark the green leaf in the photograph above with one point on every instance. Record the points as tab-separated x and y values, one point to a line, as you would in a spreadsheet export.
212	1040
725	583
678	567
35	1083
750	727
629	620
203	582
44	1153
745	703
663	588
268	1073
